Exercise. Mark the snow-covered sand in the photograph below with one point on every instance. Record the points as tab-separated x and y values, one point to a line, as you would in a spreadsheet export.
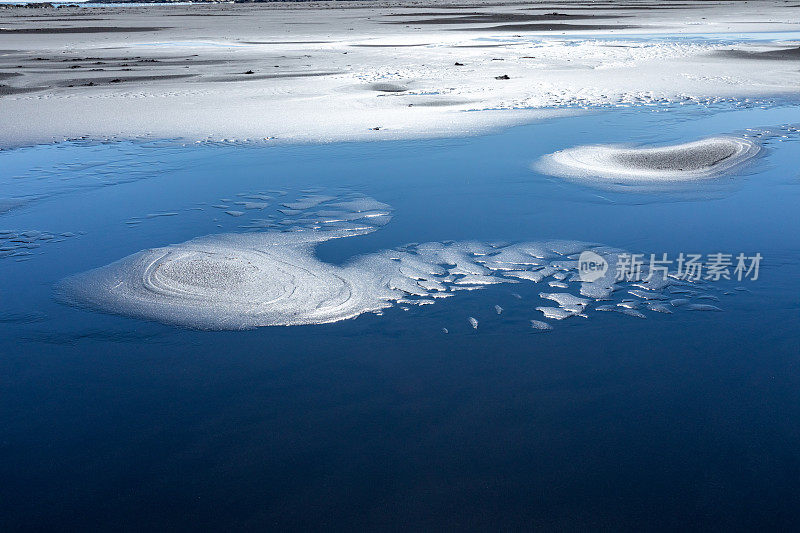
316	72
706	158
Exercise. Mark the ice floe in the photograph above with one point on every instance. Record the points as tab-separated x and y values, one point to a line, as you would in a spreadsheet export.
706	158
272	278
540	326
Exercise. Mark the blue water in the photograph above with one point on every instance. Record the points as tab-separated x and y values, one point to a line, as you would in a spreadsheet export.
682	420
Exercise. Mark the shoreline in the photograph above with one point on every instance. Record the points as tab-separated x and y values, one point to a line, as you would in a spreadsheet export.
247	71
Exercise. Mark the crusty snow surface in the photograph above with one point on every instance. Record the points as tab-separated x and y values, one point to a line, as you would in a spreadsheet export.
321	72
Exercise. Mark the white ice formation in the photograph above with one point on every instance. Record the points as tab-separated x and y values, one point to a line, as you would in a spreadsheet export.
273	278
706	158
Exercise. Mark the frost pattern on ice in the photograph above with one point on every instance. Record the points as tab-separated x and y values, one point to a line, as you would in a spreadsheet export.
247	280
706	158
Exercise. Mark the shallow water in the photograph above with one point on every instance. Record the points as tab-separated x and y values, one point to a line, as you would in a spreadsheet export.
452	414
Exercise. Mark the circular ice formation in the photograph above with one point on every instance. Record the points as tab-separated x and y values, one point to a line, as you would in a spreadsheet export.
706	158
242	281
230	282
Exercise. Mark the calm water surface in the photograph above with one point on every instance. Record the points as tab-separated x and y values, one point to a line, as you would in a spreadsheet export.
386	421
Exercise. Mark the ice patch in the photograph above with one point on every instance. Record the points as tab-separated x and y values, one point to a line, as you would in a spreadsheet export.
556	313
659	307
541	326
272	278
703	159
231	281
567	301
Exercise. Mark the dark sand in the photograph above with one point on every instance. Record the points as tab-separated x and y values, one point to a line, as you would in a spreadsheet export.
40	73
783	54
112	63
434	14
388	88
202	14
677	158
6	90
66	19
551	27
253	77
285	42
105	80
494	18
85	29
592	7
389	45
